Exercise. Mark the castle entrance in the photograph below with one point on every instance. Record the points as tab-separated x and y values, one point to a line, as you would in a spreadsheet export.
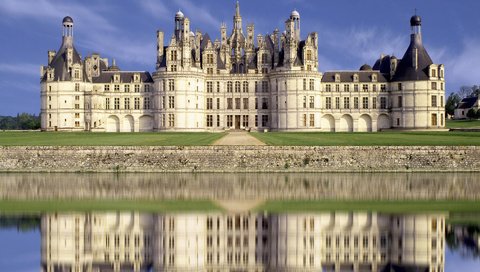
237	121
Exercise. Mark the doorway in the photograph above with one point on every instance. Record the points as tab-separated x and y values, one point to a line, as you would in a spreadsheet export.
237	121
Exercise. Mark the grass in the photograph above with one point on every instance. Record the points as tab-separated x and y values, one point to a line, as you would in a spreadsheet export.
29	138
463	123
396	138
407	206
40	206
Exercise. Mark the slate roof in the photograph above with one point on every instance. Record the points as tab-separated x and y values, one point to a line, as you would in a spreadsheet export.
347	76
405	70
383	64
467	103
59	63
125	77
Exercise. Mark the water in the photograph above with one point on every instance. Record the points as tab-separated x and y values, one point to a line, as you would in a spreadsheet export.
240	239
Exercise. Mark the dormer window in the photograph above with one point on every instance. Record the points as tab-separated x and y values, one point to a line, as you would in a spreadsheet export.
76	74
434	73
116	78
309	55
355	78
136	77
374	78
337	77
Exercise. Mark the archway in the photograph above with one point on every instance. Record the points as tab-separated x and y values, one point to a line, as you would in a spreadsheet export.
145	123
383	122
365	123
327	123
113	124
346	123
128	124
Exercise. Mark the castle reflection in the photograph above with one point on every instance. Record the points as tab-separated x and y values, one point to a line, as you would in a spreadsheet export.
335	241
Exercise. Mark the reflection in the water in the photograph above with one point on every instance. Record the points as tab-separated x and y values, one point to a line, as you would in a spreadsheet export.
243	242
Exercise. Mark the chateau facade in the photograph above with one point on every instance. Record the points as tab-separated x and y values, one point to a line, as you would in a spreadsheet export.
243	242
241	81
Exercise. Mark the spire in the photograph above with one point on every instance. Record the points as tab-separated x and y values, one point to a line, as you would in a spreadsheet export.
237	19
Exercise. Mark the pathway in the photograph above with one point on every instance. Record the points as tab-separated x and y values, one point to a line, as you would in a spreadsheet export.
239	206
238	138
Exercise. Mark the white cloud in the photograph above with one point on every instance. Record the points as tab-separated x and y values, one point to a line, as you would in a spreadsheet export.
26	69
197	13
156	8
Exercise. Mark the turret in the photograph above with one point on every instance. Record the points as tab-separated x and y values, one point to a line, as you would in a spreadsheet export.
67	31
295	17
179	18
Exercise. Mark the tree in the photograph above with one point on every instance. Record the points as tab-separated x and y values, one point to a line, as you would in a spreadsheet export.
478	114
452	103
472	114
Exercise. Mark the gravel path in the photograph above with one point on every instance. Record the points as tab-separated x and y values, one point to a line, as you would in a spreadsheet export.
238	138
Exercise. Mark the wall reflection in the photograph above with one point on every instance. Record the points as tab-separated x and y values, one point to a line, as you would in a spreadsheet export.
337	241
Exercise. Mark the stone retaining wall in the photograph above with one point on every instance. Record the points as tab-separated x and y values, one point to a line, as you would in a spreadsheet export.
238	159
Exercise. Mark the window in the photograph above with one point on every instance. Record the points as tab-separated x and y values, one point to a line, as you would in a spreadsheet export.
337	102
218	103
365	87
127	103
209	120
171	85
171	102
256	120
237	86
346	102
171	120
245	124
137	88
237	103
434	85
328	88
383	87
209	87
147	88
355	87
374	87
400	86
256	103
312	84
434	73
229	87
434	101
106	88
312	120
365	102
146	103
137	103
173	55
245	86
441	101
116	103
126	88
383	103
245	103
374	102
77	115
312	102
304	120
77	87
77	97
218	86
355	102
346	88
337	87
328	103
305	84
265	86
264	103
229	124
209	103
209	58
116	88
309	54
264	120
304	102
218	120
399	101
229	103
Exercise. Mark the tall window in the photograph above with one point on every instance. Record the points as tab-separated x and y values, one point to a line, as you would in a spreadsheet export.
355	102
374	102
383	102
328	103
400	100
328	88
171	102
264	103
312	102
77	87
346	88
146	103
209	120
116	103
265	86
173	55
218	103
365	102
237	103
137	88
346	102
365	87
305	84
209	58
126	88
434	101
237	86
245	86
171	85
209	87
312	120
229	87
337	88
245	103
209	103
116	88
171	120
309	54
106	88
264	120
229	103
126	103
434	85
434	119
137	103
355	87
337	102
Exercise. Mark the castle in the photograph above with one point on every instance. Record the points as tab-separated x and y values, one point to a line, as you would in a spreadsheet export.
268	82
326	241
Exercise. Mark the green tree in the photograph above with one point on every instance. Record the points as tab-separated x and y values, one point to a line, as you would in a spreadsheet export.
478	114
452	103
472	114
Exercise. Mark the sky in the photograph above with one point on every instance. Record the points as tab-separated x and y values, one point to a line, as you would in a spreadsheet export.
351	33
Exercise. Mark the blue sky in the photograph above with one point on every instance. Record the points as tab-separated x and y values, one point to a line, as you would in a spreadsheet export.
351	33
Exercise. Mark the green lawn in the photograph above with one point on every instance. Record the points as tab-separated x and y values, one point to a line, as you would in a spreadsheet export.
407	206
24	138
463	123
40	206
430	138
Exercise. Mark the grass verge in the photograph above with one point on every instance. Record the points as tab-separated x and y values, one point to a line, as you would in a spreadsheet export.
42	206
35	138
370	139
462	123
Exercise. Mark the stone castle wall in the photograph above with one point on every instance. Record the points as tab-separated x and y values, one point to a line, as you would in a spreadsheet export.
239	159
